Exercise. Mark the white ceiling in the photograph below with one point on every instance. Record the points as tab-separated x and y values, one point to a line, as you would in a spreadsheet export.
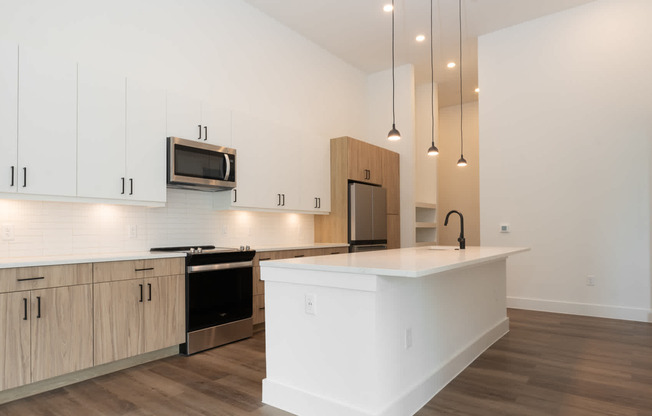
359	32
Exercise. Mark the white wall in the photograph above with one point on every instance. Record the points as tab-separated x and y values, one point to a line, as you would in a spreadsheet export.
426	166
565	150
458	186
379	123
226	51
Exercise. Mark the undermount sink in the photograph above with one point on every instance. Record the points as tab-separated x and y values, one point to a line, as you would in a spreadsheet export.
443	248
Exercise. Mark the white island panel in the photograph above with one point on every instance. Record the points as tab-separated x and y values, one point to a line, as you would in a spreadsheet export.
377	344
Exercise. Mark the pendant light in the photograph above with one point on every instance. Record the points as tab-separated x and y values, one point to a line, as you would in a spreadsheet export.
462	161
393	133
432	150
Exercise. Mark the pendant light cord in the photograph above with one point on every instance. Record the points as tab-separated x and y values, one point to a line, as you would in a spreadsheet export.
432	84
461	103
393	87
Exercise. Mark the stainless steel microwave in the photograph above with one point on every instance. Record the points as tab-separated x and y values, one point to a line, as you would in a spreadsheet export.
200	166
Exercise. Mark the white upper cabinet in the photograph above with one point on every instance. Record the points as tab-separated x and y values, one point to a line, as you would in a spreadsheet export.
277	169
145	142
8	116
47	124
101	134
193	119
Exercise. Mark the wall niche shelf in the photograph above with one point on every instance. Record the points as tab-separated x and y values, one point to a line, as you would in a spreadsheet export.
425	224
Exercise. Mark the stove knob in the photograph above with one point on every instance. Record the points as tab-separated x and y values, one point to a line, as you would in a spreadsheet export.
199	250
242	248
248	248
192	250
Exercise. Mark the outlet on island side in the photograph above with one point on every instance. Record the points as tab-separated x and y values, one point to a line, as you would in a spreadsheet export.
311	304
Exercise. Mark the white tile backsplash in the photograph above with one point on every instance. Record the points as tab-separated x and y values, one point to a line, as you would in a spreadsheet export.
59	228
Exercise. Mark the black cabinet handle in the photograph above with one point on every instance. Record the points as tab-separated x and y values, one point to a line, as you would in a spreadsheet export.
149	288
267	258
24	177
318	202
299	255
261	309
205	133
123	186
235	195
141	293
131	186
199	125
25	309
283	200
12	175
30	278
279	200
38	302
143	270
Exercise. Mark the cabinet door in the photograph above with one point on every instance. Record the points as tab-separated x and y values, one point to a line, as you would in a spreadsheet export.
62	331
14	340
393	231
101	134
365	162
183	117
315	174
118	318
146	154
8	116
391	181
216	124
47	125
165	312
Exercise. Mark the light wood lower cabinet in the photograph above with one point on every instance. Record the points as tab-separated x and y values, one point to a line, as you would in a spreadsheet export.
137	316
46	333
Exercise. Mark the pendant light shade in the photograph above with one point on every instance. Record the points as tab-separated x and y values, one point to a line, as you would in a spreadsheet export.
394	134
462	161
432	150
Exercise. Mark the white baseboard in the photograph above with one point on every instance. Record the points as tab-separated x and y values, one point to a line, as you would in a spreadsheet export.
586	309
301	402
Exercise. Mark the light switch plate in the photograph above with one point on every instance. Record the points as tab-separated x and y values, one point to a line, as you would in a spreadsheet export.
7	232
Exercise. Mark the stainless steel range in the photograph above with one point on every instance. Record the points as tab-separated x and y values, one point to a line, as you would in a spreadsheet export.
218	295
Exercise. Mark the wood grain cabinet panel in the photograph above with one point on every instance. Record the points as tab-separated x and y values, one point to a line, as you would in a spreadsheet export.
136	269
26	278
391	181
259	309
14	339
62	331
118	320
365	162
165	312
393	231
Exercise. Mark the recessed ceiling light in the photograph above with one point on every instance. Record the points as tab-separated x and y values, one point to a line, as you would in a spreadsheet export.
420	38
388	8
451	65
477	90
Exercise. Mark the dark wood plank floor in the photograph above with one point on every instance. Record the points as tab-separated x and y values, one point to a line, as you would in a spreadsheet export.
548	364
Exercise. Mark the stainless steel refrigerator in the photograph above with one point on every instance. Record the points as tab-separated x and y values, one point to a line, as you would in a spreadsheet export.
367	217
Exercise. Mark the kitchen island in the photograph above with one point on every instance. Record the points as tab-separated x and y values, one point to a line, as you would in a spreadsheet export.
378	333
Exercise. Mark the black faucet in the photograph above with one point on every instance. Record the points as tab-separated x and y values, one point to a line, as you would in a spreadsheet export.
461	239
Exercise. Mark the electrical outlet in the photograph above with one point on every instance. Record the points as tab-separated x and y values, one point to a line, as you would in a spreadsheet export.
133	231
590	280
311	304
504	228
7	232
408	338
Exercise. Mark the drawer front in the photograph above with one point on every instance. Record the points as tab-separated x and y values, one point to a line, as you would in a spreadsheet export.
43	277
259	309
137	269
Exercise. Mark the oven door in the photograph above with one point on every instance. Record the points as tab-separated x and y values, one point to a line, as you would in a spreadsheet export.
219	304
200	165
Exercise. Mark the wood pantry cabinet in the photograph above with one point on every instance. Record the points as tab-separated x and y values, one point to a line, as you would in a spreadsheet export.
259	285
355	160
139	307
46	322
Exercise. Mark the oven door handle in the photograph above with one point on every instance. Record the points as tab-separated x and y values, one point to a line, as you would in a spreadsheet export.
219	266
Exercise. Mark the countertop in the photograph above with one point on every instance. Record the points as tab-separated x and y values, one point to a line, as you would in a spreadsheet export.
10	262
300	247
406	262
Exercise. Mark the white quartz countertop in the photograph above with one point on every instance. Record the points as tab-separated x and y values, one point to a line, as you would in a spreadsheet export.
406	262
6	263
299	247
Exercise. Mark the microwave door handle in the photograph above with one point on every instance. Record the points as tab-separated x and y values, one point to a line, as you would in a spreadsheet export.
228	167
